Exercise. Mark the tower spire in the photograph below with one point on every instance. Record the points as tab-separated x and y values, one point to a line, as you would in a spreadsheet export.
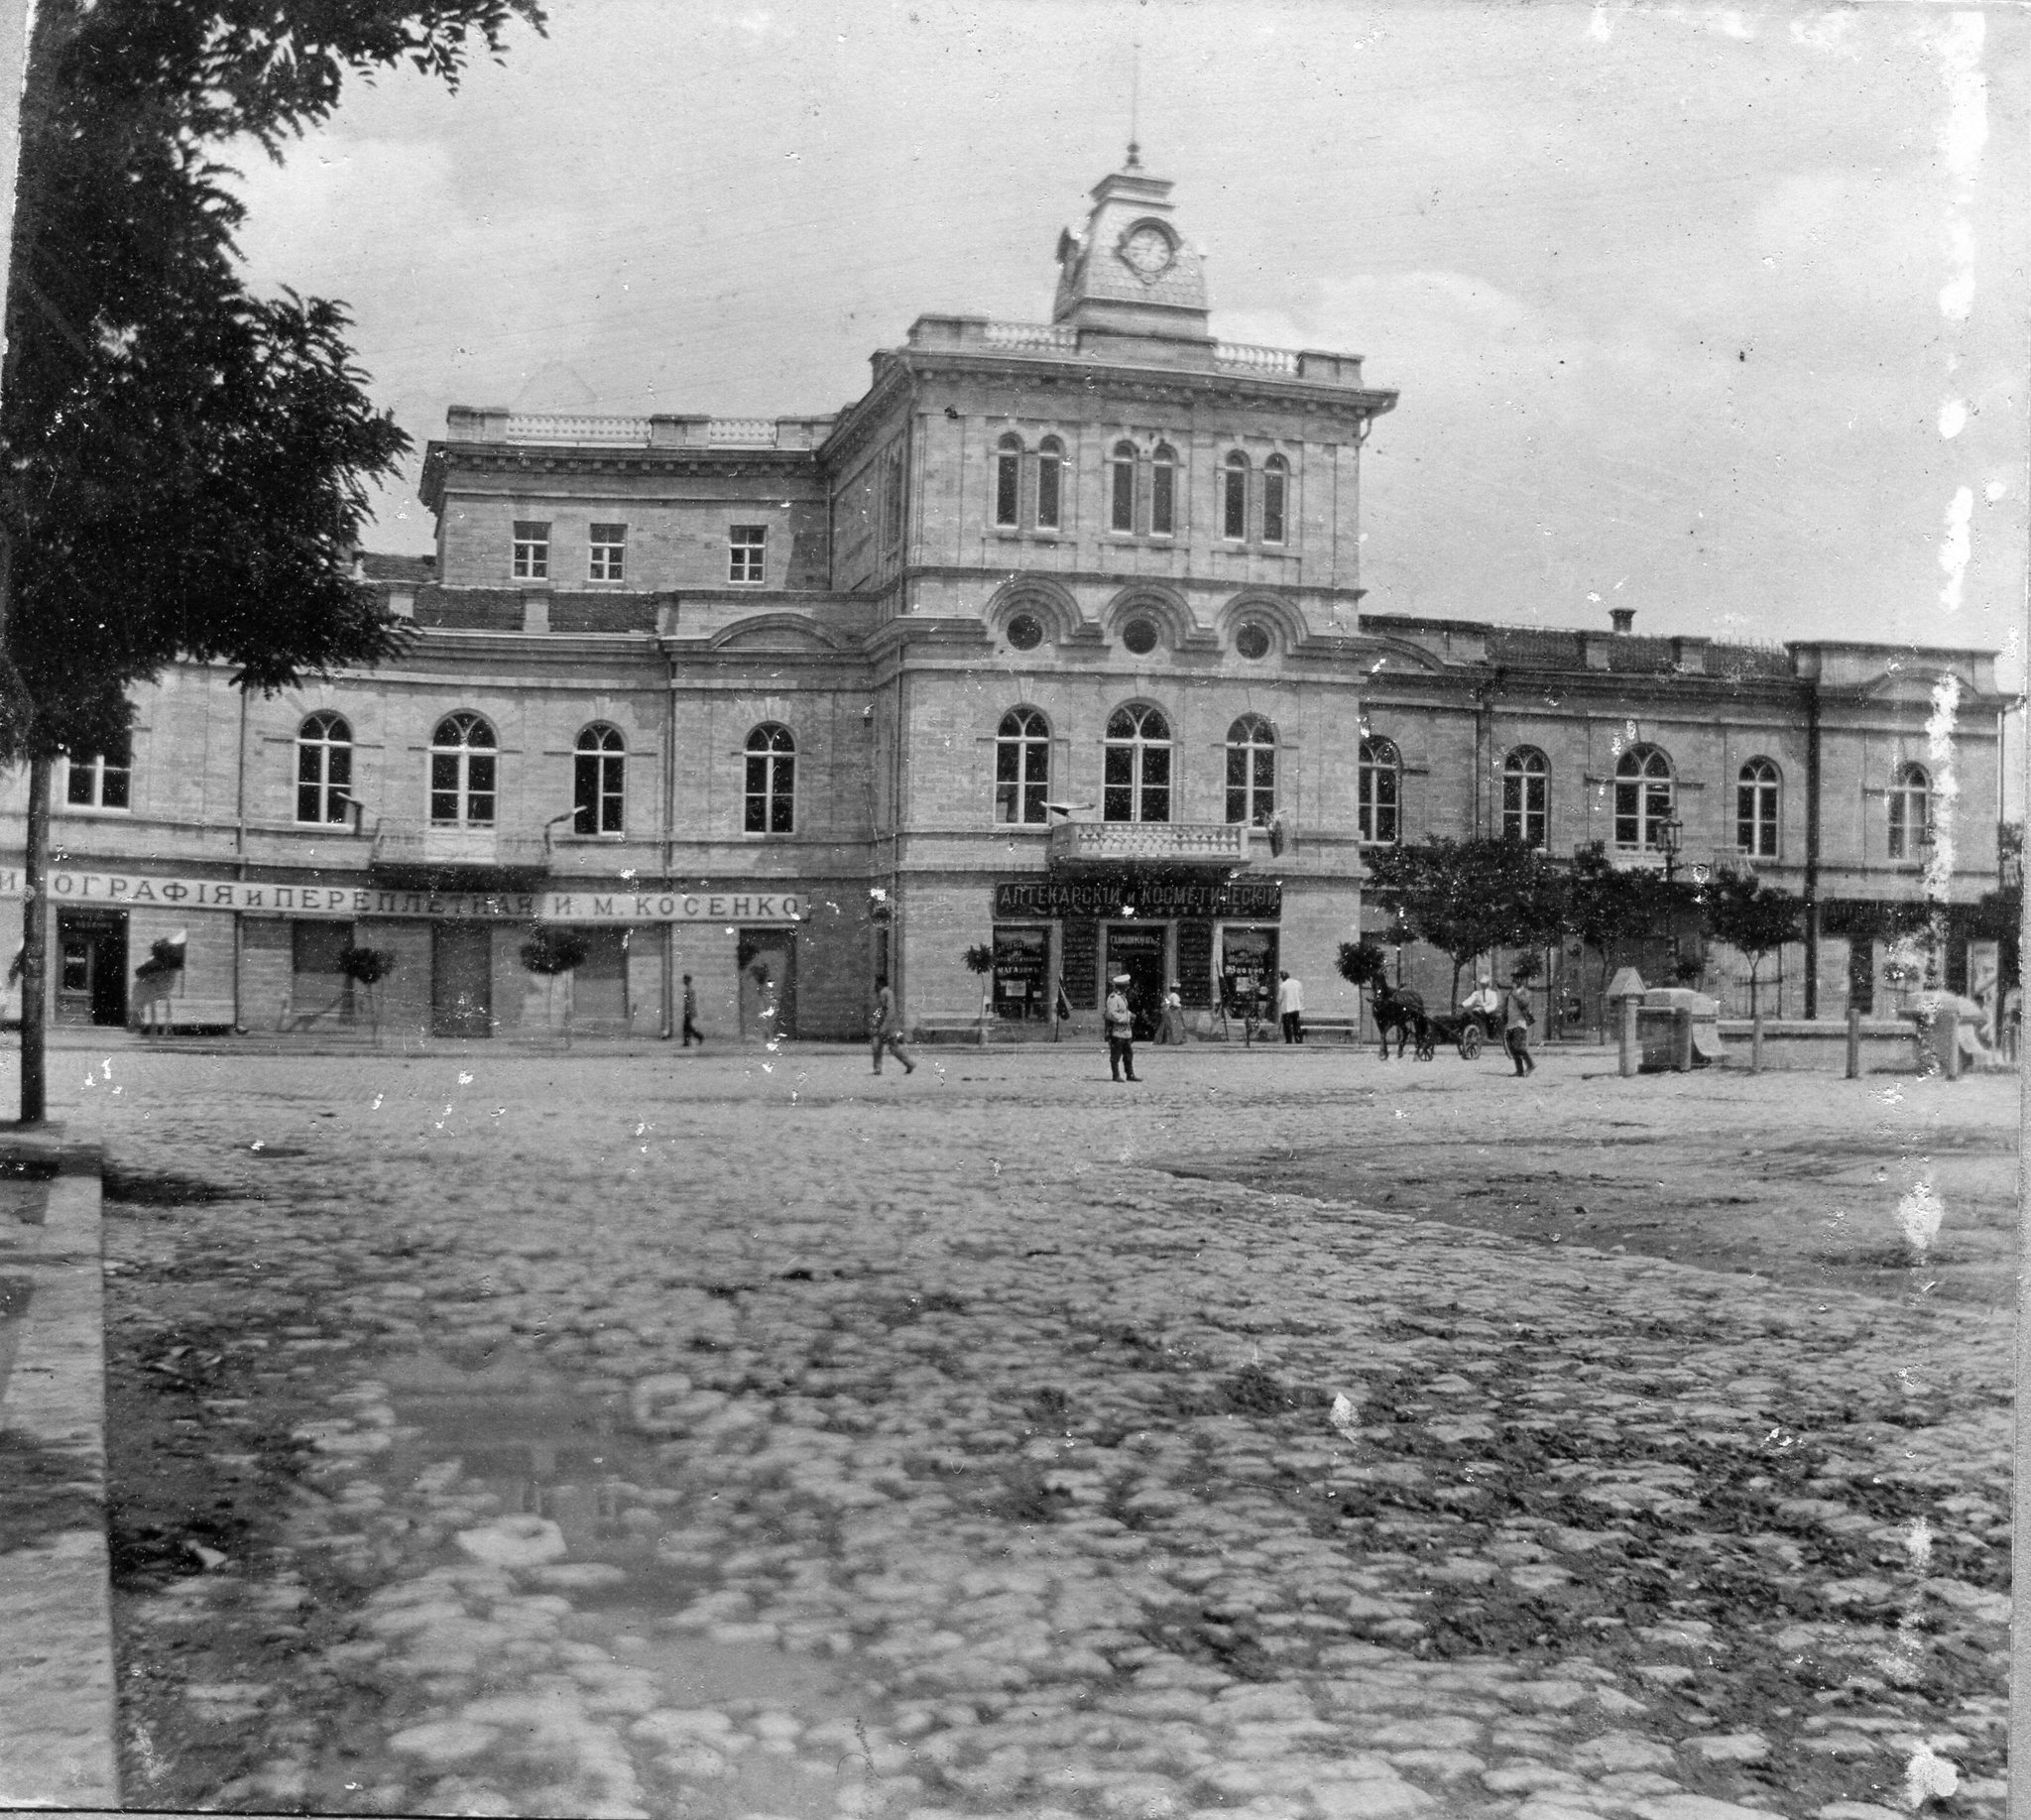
1134	96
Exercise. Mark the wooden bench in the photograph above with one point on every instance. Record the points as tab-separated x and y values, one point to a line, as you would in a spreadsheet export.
160	1017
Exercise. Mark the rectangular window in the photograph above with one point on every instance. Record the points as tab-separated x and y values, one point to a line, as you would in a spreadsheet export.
1163	500
1007	478
531	550
1023	957
1272	506
608	551
746	547
1048	471
894	500
99	781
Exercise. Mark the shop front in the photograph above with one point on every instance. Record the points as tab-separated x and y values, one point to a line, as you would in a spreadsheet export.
1057	943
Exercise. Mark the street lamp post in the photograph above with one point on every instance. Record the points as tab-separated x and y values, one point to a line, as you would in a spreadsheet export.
1672	835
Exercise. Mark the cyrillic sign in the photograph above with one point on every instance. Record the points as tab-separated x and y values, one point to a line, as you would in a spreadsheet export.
1254	899
263	898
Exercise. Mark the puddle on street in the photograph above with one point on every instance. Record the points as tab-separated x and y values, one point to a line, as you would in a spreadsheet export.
527	1444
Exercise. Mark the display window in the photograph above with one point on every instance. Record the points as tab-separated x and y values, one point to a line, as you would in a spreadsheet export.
1022	966
1247	972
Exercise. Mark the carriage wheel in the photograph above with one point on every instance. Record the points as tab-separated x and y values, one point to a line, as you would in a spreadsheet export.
1470	1042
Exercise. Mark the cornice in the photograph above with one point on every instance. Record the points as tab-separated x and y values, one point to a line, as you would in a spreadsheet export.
1239	388
578	458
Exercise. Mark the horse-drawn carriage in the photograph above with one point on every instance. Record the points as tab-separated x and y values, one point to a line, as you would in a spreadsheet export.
1402	1012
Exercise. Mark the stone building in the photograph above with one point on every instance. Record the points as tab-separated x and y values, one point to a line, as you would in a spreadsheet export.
1049	643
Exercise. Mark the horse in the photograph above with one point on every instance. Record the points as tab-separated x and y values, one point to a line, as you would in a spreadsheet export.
1401	1011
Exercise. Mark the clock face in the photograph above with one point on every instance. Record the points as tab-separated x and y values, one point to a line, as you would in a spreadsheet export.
1149	251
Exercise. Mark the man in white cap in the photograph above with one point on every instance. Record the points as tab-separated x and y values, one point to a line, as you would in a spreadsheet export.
1121	1031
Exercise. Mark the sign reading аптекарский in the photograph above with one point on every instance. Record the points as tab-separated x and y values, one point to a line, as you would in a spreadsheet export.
263	897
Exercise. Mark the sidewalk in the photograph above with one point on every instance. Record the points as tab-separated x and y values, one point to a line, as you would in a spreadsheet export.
56	1619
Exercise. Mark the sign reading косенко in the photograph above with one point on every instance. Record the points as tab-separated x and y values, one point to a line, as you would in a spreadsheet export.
263	897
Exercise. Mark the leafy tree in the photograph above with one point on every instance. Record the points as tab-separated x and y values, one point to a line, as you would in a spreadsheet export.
1467	896
1361	963
1752	917
552	951
185	465
367	968
1607	906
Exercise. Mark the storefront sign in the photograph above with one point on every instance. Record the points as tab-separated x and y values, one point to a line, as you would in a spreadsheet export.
1257	900
263	898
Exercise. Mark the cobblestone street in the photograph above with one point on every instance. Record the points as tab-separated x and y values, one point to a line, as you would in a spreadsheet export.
745	1436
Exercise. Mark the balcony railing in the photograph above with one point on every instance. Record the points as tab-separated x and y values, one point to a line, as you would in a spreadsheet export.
577	429
412	845
1255	359
1032	334
1148	843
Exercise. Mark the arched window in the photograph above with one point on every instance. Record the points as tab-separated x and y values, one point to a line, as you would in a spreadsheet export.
1121	487
1163	491
1379	785
1251	771
1135	779
1008	481
324	769
1276	487
1051	473
1642	798
462	773
1910	812
1234	493
1527	790
599	789
1755	810
1023	766
772	781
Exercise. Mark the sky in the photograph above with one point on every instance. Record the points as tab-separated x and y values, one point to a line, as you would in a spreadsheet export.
1716	313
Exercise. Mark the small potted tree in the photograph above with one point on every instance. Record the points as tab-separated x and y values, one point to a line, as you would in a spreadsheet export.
367	968
154	980
979	961
552	952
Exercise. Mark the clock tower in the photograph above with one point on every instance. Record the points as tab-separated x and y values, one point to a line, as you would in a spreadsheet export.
1131	273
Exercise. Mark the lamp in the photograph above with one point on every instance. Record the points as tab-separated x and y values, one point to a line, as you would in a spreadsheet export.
1671	835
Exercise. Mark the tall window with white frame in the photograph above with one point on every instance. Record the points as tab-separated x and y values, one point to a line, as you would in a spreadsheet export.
1050	484
324	768
1755	810
772	781
1233	498
1910	812
1136	768
606	552
101	779
599	785
747	548
1163	491
464	777
1023	767
1643	792
1527	791
1121	469
532	560
1251	771
1378	794
1009	482
1275	496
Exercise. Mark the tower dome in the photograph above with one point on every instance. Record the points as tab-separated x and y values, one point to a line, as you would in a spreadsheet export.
1131	272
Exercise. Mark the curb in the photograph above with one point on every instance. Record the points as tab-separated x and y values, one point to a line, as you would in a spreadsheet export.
57	1685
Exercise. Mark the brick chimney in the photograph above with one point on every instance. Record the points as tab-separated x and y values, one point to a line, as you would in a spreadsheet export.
1622	619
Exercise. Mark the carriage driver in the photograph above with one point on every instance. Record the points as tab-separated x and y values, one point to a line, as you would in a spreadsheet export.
1484	1000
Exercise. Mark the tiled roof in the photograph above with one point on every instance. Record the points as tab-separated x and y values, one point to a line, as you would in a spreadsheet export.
379	567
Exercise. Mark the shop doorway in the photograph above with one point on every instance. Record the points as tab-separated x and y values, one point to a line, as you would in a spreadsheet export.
599	984
462	980
768	984
1138	951
91	967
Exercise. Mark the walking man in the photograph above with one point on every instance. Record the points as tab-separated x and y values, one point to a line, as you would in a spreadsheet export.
692	1028
1291	1006
1121	1031
1517	1022
888	1032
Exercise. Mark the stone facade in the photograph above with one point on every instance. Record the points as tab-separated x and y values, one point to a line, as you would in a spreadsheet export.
1051	641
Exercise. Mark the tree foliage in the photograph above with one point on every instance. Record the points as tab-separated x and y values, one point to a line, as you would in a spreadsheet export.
554	950
185	465
1361	963
1467	896
1752	917
1609	906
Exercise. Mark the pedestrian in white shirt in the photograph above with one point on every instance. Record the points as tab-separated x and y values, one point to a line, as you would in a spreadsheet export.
1291	1006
